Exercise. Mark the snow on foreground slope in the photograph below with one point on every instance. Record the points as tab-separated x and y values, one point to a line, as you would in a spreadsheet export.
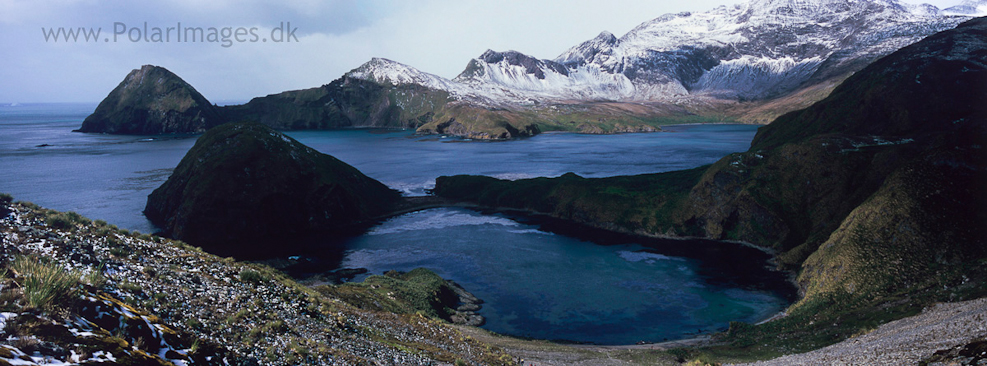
758	49
161	302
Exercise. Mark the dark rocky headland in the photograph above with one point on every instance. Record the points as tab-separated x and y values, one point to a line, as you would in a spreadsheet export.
152	100
247	190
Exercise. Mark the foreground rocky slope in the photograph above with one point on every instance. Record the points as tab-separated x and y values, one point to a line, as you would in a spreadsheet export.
245	189
944	334
874	195
145	300
152	100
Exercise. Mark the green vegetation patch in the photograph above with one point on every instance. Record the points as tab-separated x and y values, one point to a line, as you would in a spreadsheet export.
46	285
65	220
649	202
417	291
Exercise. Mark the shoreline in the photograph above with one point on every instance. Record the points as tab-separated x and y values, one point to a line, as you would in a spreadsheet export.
696	341
419	203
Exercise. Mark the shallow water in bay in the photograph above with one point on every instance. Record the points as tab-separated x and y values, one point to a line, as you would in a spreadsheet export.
541	280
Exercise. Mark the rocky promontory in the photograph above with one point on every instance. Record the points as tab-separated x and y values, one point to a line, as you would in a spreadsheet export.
152	100
247	190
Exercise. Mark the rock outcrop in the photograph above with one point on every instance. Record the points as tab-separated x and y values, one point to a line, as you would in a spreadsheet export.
247	190
153	100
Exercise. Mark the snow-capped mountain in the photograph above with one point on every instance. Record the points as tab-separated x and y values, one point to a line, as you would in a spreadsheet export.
382	70
973	8
755	50
543	79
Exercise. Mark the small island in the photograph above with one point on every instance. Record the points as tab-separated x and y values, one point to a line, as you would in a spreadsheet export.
247	190
152	100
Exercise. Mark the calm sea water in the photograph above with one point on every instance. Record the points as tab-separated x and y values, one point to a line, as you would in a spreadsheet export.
536	281
592	287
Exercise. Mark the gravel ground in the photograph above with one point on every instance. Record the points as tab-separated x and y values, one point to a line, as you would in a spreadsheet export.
905	341
545	353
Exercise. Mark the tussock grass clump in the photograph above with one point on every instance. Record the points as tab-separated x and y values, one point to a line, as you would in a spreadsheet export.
65	220
251	276
120	252
95	276
46	285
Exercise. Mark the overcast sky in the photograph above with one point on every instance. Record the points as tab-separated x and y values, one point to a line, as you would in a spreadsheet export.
333	37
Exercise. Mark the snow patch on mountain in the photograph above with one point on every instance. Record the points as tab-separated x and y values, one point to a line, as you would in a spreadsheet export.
384	71
596	47
757	49
670	32
755	77
972	8
543	78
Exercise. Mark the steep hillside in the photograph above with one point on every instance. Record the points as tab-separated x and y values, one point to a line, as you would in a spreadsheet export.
152	100
874	196
245	189
349	101
81	292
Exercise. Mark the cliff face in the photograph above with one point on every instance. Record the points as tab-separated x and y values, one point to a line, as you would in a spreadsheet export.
152	100
245	189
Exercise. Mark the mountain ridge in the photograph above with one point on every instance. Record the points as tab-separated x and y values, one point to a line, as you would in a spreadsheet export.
725	64
769	36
